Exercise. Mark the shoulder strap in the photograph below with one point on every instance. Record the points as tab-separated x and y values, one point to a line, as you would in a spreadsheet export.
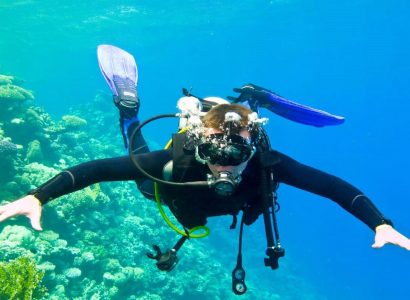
269	158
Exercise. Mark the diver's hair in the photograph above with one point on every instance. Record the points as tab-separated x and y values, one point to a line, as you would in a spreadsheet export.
215	118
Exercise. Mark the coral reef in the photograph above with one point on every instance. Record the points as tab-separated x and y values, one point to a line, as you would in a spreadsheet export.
7	148
8	154
20	279
71	122
11	92
34	152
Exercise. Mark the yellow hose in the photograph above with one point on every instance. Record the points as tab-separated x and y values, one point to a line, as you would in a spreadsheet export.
164	216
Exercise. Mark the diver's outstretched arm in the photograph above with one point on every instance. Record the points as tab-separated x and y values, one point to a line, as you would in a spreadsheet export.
81	176
28	206
386	234
291	172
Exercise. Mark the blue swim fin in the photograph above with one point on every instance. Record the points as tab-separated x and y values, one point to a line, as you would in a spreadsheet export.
120	71
257	97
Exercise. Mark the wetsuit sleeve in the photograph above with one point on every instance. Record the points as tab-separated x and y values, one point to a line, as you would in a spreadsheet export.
111	169
293	173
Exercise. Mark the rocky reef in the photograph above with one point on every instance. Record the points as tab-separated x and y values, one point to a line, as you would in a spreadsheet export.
94	241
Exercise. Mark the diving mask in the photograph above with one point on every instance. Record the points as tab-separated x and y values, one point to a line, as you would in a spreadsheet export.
220	149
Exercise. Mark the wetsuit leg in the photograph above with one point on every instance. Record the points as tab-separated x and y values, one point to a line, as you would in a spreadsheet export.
128	122
128	126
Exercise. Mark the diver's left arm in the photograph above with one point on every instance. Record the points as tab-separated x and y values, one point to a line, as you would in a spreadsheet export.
386	234
346	195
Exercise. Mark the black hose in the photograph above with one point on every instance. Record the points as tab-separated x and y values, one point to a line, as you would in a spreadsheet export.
137	165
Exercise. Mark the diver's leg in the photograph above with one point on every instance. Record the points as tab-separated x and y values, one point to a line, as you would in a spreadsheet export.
129	121
128	125
120	72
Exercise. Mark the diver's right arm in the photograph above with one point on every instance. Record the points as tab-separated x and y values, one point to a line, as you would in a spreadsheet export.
81	176
28	206
110	169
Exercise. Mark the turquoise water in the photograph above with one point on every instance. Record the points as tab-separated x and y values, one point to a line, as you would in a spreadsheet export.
347	57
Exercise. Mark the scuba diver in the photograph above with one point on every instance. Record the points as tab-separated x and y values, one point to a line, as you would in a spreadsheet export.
220	163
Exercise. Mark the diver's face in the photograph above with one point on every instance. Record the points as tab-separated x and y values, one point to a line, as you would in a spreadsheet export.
234	170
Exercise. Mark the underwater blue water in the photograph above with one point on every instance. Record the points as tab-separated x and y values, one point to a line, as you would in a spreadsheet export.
347	57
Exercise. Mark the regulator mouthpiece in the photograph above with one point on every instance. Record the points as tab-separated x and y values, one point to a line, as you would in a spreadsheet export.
225	184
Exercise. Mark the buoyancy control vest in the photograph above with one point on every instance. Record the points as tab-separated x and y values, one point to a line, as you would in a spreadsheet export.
192	205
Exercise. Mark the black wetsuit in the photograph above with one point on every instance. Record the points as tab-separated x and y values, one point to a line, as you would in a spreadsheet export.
207	203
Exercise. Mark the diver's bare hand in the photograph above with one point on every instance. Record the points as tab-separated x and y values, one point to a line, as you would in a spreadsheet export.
386	234
28	206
